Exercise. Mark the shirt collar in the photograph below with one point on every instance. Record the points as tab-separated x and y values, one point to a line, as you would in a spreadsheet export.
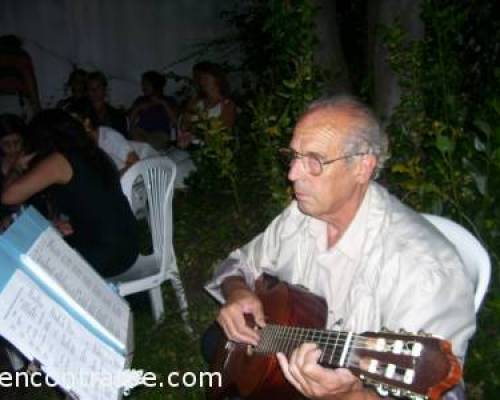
351	242
353	239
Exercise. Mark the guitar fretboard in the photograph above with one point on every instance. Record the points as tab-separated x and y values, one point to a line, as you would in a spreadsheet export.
334	345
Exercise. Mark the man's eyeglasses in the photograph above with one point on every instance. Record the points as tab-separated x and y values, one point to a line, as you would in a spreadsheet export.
312	163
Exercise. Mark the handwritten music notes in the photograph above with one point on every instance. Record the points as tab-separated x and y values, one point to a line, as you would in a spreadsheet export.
43	330
69	276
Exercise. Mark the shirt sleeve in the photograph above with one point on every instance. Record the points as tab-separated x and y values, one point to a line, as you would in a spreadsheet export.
251	260
430	293
116	144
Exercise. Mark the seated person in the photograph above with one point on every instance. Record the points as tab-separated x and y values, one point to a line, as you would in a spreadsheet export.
196	96
12	158
152	115
112	142
345	238
12	131
18	85
213	101
107	115
83	186
77	85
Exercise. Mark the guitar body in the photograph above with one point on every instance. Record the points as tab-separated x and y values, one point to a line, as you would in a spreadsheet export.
259	376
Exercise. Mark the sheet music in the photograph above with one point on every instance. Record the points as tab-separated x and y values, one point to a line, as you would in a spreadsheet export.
41	329
69	270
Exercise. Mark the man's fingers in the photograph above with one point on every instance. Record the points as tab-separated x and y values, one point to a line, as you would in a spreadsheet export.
236	329
259	316
285	367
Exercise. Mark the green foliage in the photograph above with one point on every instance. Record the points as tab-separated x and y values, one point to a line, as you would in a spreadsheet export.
279	42
215	157
446	148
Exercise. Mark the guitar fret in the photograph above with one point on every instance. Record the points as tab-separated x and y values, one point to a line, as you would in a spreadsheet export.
346	349
290	344
264	340
332	357
272	338
279	334
285	339
293	341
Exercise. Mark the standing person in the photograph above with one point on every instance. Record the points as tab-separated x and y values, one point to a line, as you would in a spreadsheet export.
83	185
376	262
97	86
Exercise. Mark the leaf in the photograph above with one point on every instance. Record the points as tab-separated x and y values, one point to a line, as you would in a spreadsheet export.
496	105
483	127
479	178
445	144
495	157
479	145
401	168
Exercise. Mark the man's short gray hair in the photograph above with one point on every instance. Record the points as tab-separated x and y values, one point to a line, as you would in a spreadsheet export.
365	133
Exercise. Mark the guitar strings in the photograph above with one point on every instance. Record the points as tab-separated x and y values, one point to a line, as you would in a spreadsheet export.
301	333
328	338
328	355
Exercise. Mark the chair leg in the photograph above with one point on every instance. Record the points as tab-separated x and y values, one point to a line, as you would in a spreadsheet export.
157	303
181	299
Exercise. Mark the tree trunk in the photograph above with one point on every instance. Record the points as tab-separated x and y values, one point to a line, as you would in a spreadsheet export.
330	54
387	92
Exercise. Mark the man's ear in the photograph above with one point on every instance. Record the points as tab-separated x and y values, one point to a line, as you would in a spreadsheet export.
365	168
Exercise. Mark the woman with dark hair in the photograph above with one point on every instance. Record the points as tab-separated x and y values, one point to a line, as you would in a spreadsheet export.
17	78
119	149
213	100
12	158
83	185
153	114
12	132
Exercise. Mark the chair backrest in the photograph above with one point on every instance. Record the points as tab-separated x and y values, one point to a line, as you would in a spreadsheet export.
158	175
473	254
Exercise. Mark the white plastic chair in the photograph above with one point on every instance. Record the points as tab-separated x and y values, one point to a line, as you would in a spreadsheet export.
473	254
150	271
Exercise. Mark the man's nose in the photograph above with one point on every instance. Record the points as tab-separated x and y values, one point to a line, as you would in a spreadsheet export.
296	170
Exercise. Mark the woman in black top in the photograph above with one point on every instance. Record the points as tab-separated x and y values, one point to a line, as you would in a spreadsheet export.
83	185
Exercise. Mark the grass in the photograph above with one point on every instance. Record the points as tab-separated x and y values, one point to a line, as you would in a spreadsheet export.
207	228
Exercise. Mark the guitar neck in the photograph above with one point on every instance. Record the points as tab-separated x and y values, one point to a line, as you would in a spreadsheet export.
334	345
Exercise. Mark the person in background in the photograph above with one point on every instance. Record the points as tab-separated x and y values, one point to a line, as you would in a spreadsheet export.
153	115
12	132
12	158
110	141
77	85
17	78
212	101
196	72
83	187
97	86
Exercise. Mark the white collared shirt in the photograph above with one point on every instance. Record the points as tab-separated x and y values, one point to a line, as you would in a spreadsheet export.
391	268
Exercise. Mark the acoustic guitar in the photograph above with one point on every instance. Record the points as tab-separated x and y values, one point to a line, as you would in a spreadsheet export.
398	364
